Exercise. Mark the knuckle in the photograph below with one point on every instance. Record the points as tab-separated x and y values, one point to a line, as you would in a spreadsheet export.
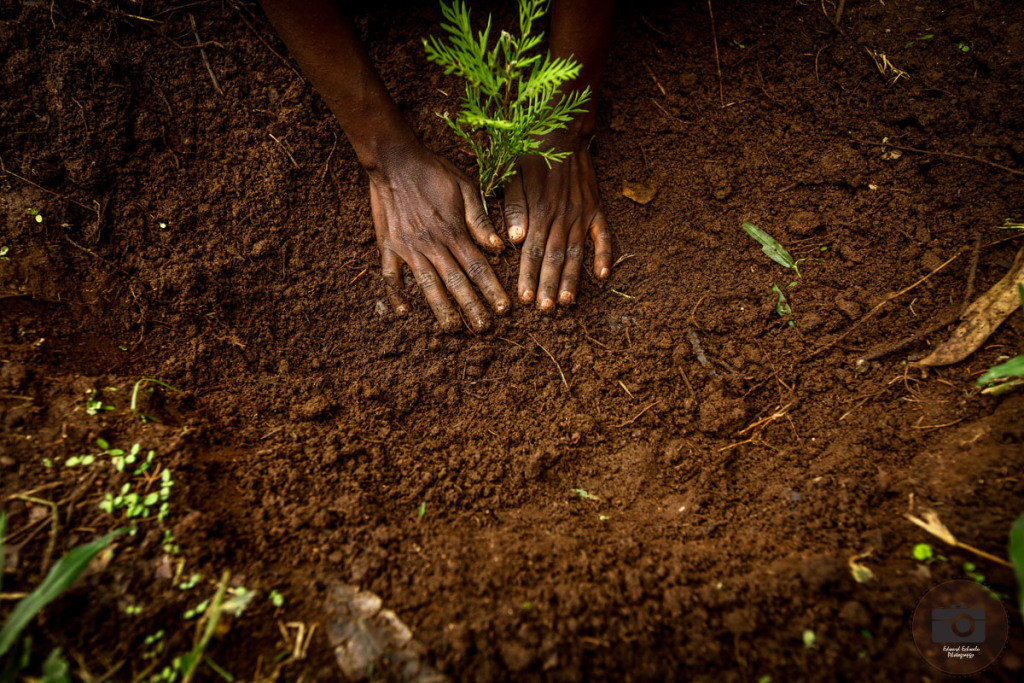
448	231
423	236
455	280
533	253
476	268
427	281
575	251
514	211
555	256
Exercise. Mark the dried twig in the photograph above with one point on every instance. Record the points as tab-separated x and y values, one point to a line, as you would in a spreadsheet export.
638	415
202	53
718	62
953	155
560	373
936	528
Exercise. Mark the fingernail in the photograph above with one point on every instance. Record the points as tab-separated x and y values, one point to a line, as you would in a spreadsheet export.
604	273
501	307
565	297
527	296
515	233
546	305
496	242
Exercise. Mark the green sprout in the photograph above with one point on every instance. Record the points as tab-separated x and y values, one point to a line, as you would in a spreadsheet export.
422	510
771	247
1011	224
191	583
810	639
276	599
135	398
1017	556
3	253
915	41
738	44
584	495
36	215
782	307
923	552
94	403
133	610
513	96
963	47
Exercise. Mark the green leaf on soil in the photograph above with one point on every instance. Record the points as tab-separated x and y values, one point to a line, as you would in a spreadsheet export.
60	578
584	495
771	247
1017	556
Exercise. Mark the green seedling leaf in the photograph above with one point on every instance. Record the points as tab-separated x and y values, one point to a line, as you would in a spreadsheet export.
1017	556
60	578
1013	368
1010	224
922	552
810	639
583	494
771	247
56	668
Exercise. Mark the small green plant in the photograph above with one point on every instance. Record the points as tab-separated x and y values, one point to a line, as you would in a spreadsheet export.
1011	224
134	405
1017	557
584	495
963	47
1003	377
191	583
421	510
921	39
3	253
782	307
738	44
771	247
94	404
923	552
276	599
57	581
38	217
512	93
810	639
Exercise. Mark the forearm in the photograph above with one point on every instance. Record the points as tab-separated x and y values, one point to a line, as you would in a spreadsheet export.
324	42
582	29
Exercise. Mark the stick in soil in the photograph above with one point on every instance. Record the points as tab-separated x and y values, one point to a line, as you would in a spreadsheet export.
638	415
952	155
560	373
202	53
718	63
932	329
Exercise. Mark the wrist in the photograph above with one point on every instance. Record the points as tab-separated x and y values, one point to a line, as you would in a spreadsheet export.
381	150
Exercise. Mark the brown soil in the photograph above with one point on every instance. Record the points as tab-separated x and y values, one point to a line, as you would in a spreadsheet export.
311	428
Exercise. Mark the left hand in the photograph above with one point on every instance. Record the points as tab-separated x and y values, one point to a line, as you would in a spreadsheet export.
555	209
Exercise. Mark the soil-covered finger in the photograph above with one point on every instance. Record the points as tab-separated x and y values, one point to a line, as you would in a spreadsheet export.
433	289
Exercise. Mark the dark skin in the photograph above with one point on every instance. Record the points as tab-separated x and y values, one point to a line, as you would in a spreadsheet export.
427	214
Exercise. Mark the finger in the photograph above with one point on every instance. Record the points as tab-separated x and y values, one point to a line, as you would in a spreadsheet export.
478	222
602	237
391	267
458	284
433	291
573	265
532	257
515	208
551	266
480	272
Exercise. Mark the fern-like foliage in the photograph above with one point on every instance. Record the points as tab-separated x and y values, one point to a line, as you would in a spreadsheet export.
511	95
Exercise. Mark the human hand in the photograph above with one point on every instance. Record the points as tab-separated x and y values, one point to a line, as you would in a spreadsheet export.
555	209
424	211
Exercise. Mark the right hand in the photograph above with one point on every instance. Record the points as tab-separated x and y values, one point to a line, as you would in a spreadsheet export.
425	211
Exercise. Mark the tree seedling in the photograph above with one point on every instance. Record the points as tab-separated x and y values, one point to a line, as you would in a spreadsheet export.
512	92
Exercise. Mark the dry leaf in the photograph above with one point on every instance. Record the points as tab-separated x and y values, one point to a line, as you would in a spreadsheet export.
638	192
981	318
